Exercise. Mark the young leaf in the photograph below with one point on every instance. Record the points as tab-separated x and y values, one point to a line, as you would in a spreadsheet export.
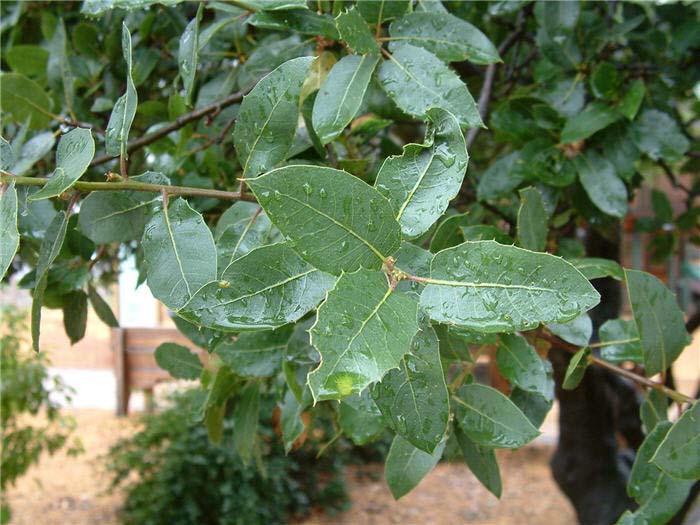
407	465
362	331
268	116
659	321
178	361
576	369
341	94
490	287
245	417
678	455
481	461
449	38
102	308
265	289
359	418
519	363
417	80
75	315
593	118
75	151
9	235
180	252
532	220
605	189
491	419
256	354
355	31
414	398
422	181
188	53
336	221
23	100
124	111
578	331
621	341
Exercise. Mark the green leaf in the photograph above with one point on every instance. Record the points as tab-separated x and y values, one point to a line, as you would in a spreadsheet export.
180	254
422	181
621	341
533	405
75	151
335	221
658	135
7	155
266	288
407	465
490	287
678	455
362	331
100	7
595	268
630	103
290	420
32	152
27	59
578	331
654	409
268	116
532	220
414	398
188	53
48	251
659	321
359	418
659	494
58	67
521	365
300	20
576	369
491	419
22	100
273	5
178	361
417	80
632	518
481	461
500	178
245	417
102	308
448	232
605	189
256	354
124	111
9	234
415	260
594	117
449	38
75	315
378	11
341	95
110	216
355	31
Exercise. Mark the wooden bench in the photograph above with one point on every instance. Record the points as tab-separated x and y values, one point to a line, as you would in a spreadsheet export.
135	365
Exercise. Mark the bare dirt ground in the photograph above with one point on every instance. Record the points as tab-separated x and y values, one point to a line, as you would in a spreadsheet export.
63	490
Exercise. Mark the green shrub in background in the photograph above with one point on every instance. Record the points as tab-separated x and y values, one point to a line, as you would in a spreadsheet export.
26	389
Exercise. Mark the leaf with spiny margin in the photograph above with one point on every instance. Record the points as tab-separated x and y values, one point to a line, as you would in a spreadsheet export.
265	289
102	308
407	465
414	398
267	119
255	354
335	221
362	331
596	268
621	341
519	363
654	409
659	495
188	53
421	182
491	419
341	95
417	80
578	331
450	38
679	452
178	361
180	252
48	251
659	321
576	369
9	234
532	220
600	181
246	413
110	216
124	111
359	418
73	156
481	461
355	31
490	287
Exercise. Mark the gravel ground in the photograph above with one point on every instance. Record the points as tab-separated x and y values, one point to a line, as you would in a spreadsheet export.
67	490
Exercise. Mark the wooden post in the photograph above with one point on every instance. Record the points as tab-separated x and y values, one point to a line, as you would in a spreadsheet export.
120	371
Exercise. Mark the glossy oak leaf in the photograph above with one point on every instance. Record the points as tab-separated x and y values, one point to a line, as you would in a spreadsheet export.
334	220
362	331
